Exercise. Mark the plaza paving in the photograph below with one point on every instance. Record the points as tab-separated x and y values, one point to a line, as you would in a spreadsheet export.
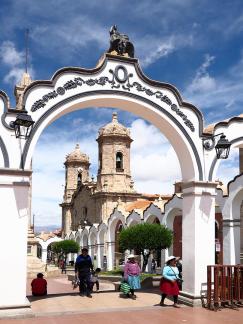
63	305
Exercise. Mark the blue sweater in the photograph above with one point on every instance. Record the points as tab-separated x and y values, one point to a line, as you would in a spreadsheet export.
83	264
170	273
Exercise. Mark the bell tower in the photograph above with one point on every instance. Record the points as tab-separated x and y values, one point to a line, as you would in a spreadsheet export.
114	174
77	173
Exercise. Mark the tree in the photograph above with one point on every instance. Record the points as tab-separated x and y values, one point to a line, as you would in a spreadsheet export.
65	247
144	238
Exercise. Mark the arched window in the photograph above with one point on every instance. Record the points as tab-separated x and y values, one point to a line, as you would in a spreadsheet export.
79	179
100	162
119	160
85	213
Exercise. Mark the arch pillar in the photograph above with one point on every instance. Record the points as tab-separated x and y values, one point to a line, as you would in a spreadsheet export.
100	255
44	255
110	255
241	232
15	207
231	239
198	237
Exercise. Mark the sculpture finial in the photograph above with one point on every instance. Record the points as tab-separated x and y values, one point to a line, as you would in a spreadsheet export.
120	44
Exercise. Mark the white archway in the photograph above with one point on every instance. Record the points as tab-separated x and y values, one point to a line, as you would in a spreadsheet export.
92	241
133	218
101	251
119	83
115	217
231	207
45	244
85	238
152	213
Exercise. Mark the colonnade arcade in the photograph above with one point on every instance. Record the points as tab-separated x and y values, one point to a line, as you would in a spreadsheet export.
117	82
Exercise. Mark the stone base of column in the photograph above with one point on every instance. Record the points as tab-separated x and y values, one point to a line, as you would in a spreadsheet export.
16	311
190	300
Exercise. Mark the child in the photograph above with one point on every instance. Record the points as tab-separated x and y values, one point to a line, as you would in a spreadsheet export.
125	289
95	279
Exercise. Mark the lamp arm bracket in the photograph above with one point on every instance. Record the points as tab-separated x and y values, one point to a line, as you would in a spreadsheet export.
209	142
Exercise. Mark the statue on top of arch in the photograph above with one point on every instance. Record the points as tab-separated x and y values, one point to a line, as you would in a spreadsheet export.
120	44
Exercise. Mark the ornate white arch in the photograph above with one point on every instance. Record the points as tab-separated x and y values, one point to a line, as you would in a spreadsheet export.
118	83
171	209
151	213
133	218
72	88
78	237
72	235
45	244
112	221
84	238
101	248
102	229
230	206
92	235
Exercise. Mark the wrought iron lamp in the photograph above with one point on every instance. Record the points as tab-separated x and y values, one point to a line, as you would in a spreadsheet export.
222	147
22	125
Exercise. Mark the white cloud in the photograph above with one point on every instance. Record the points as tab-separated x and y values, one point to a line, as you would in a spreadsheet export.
14	61
229	168
162	50
151	155
160	46
9	55
219	97
14	75
203	82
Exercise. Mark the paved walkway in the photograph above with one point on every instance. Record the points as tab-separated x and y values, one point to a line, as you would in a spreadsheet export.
107	306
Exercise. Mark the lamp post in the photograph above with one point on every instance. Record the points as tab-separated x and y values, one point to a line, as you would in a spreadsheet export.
222	147
22	125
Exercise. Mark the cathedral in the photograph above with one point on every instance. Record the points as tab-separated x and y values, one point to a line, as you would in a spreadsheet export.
88	203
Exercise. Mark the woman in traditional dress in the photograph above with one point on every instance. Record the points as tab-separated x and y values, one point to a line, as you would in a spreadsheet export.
168	284
132	274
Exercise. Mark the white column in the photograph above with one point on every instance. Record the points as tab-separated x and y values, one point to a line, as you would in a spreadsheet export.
110	255
164	256
231	241
100	255
44	255
198	235
14	204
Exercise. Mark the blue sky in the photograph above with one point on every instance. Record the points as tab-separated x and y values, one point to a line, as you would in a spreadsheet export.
195	45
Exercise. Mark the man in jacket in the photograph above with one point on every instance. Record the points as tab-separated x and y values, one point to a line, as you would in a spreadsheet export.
83	268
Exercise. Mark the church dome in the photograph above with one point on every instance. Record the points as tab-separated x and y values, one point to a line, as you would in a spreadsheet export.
77	156
114	128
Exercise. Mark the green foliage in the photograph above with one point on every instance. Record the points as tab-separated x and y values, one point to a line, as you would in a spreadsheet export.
65	247
145	236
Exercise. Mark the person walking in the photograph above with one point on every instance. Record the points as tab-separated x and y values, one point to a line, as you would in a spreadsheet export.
63	266
153	266
83	269
39	285
168	284
132	274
